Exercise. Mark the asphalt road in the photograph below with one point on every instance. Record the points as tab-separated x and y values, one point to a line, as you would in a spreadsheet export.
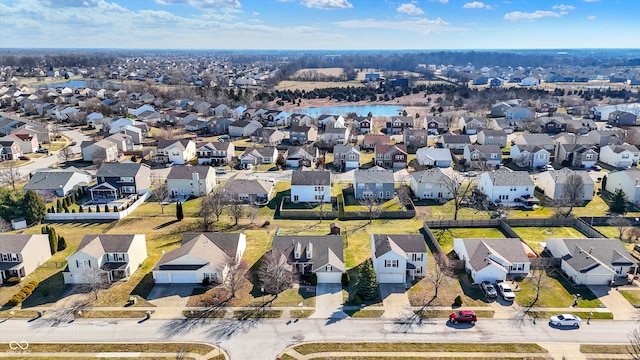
265	339
48	161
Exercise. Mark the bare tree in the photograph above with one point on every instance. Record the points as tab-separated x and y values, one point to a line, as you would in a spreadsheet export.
372	205
66	154
94	281
320	192
160	193
438	277
634	344
4	225
404	194
235	208
573	193
621	224
459	189
215	201
234	271
252	213
10	173
99	157
275	274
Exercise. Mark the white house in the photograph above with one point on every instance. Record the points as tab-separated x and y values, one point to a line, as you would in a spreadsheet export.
619	156
482	156
102	150
308	254
627	180
431	156
21	254
594	261
553	183
115	257
490	259
58	181
202	257
530	81
508	188
398	258
178	152
187	180
430	184
138	109
529	156
259	155
346	157
311	186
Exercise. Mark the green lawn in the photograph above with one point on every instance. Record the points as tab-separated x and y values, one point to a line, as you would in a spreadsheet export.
445	236
633	297
534	235
555	291
608	231
311	348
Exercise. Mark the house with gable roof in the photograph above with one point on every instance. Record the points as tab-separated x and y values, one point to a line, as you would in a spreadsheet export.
482	156
376	183
431	156
554	183
346	157
215	153
626	180
391	156
188	180
430	184
493	259
258	155
530	156
310	186
248	191
301	156
620	156
398	258
313	254
21	254
58	181
178	151
508	188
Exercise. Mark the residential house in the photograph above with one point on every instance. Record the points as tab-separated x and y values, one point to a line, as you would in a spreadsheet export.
576	155
268	136
398	124
21	254
398	258
111	257
330	121
201	258
482	156
594	261
620	156
580	126
432	156
362	125
335	136
519	113
123	142
220	110
374	183
243	128
369	141
99	151
431	184
58	182
500	109
9	150
414	139
606	137
493	259
492	137
455	142
118	180
529	156
311	186
197	126
215	153
555	183
258	156
299	135
436	125
178	152
541	140
626	180
28	142
530	81
472	125
508	188
248	191
391	156
188	180
301	156
551	125
346	157
622	118
182	118
137	109
219	126
301	120
321	255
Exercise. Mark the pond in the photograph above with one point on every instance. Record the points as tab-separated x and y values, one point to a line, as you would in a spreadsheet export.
75	84
361	110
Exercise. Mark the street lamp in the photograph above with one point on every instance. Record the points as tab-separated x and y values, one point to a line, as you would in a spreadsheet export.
262	291
218	345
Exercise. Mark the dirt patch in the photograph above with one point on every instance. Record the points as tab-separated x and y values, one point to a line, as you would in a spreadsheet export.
337	71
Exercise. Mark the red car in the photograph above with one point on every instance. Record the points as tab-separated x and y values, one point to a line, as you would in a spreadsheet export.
467	316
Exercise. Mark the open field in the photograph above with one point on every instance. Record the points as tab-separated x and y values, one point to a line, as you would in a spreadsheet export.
337	71
310	85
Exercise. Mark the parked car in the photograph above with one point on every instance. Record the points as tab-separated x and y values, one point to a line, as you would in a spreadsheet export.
596	167
73	143
467	316
221	171
42	151
224	137
506	291
169	165
565	320
22	157
489	290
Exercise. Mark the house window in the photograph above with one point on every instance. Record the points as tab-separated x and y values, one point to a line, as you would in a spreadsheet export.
319	188
318	197
417	257
391	263
399	157
588	157
625	156
126	179
5	257
128	189
361	186
380	194
388	194
419	270
329	268
83	264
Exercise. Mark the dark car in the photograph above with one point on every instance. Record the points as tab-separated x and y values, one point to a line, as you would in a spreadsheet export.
467	316
489	290
73	143
24	157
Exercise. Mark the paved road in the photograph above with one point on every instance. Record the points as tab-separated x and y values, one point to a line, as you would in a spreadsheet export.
265	339
48	161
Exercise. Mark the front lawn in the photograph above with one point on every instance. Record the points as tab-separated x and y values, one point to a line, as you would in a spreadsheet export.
555	292
633	297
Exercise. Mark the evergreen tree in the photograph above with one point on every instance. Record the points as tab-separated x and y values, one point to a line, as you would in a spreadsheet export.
179	213
619	202
115	208
33	207
106	208
80	209
62	244
97	208
367	283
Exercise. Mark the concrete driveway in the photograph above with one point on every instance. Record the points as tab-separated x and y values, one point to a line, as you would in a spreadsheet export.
328	302
395	301
171	295
615	302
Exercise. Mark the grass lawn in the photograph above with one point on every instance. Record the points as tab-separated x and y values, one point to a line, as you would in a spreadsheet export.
311	348
632	297
608	231
201	349
364	313
445	236
604	349
353	205
257	314
534	235
555	291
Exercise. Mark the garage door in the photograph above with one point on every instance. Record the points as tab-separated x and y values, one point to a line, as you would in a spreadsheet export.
162	278
181	278
329	277
390	278
597	279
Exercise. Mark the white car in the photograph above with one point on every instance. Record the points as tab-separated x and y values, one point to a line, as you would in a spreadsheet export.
565	320
506	291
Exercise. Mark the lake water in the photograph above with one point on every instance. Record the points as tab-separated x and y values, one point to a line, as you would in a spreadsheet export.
361	110
75	84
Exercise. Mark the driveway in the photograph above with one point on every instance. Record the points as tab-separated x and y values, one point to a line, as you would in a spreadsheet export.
615	302
171	295
328	302
395	301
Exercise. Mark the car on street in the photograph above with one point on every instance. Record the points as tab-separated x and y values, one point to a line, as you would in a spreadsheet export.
224	137
221	171
565	320
463	316
24	157
42	151
471	174
596	168
73	143
489	290
506	291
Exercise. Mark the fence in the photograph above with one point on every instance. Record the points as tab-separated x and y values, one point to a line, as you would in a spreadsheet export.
85	216
306	214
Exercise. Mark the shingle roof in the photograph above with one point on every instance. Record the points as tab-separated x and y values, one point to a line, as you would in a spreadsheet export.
301	177
186	171
237	184
326	250
212	248
430	176
510	178
509	250
98	245
119	169
13	244
411	243
180	144
51	179
456	139
373	176
587	254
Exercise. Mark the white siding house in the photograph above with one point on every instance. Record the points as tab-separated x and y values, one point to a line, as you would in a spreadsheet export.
627	180
430	184
553	183
187	180
620	156
508	188
398	258
311	186
492	259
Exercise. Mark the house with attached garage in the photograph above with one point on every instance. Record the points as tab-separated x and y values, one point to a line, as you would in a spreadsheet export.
620	156
508	188
482	156
437	157
178	152
118	180
321	255
58	182
492	137
301	156
110	257
258	155
594	261
215	153
542	140
311	186
346	157
436	125
622	118
576	155
555	183
369	141
391	156
333	136
28	142
472	125
243	128
267	136
626	180
362	125
414	139
248	191
302	134
201	258
188	180
398	124
431	184
101	150
9	150
455	142
529	156
376	183
330	121
489	259
21	254
398	258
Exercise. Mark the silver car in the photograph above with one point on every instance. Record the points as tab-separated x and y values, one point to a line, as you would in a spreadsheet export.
565	320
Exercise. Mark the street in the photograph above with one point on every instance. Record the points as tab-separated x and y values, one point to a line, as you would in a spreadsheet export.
48	161
265	339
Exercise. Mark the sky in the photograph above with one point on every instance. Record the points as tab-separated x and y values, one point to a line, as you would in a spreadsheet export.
320	24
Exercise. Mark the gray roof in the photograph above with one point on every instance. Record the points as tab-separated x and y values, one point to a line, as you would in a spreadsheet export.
186	171
211	247
510	178
238	184
509	249
456	139
217	145
343	149
119	169
266	151
587	254
489	132
485	149
534	139
98	245
326	250
561	176
52	179
430	176
373	176
301	177
624	147
14	244
407	243
181	143
437	153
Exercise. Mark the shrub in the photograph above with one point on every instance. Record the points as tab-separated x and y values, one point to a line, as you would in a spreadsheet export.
81	209
45	292
62	244
345	279
313	279
115	208
357	300
266	223
89	209
457	301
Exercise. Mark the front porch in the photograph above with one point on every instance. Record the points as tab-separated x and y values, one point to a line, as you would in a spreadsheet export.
10	270
116	271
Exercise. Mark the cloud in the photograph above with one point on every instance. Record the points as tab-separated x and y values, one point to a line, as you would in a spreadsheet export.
409	9
591	17
327	4
203	3
441	1
476	5
422	26
591	0
539	14
563	7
